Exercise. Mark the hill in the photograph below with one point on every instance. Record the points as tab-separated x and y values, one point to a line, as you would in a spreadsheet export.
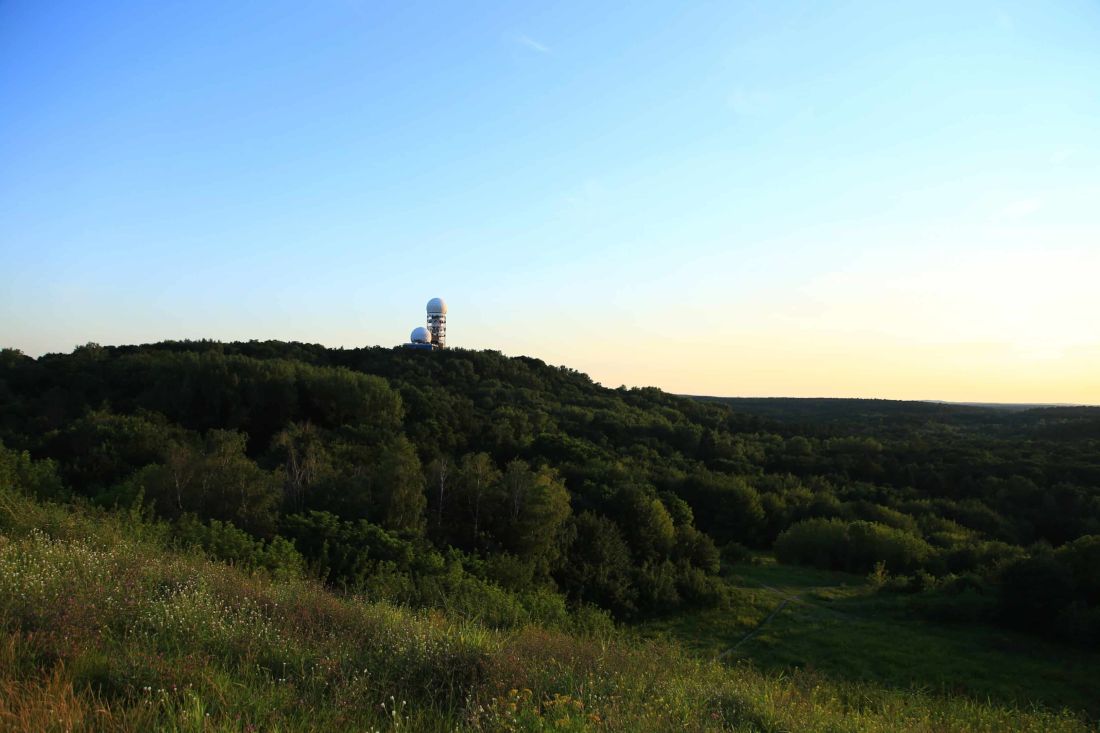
499	494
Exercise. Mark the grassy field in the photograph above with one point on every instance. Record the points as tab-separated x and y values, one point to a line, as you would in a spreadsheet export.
835	625
102	629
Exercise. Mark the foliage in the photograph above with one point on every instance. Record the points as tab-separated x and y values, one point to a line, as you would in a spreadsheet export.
102	631
36	478
223	541
857	546
416	474
1057	592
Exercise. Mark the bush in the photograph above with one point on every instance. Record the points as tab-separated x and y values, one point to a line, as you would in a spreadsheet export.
589	620
1034	590
347	553
734	552
223	541
1055	592
1082	558
869	543
725	507
857	547
979	556
32	478
821	543
697	549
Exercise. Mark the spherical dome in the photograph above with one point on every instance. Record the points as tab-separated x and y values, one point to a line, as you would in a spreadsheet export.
437	306
420	335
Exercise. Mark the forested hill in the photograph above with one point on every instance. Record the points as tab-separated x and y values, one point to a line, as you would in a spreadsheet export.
824	415
469	472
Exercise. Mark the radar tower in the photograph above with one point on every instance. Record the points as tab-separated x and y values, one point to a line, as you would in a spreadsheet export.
437	322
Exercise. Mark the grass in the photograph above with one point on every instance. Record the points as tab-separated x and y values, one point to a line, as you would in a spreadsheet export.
834	624
103	630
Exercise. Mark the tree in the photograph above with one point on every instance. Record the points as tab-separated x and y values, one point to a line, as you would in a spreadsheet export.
440	476
345	552
1034	590
649	527
536	506
853	546
1082	558
401	487
598	566
214	479
305	461
725	507
697	548
36	478
102	448
477	478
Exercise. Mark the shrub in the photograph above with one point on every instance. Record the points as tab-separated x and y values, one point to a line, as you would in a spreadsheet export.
1082	558
347	553
852	546
223	541
33	478
734	552
1034	590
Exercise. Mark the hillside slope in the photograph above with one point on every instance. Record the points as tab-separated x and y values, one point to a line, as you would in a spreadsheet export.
105	628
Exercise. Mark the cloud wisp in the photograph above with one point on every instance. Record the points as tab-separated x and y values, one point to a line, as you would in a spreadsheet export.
531	43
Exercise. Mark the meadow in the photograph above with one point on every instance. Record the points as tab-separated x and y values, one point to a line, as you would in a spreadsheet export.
105	629
836	624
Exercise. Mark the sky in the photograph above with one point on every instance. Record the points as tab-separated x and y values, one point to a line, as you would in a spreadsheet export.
859	199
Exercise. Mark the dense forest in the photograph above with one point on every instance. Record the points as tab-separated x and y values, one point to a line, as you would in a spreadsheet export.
513	490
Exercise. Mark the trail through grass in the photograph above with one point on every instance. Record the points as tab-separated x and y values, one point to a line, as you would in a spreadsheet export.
757	630
101	630
791	618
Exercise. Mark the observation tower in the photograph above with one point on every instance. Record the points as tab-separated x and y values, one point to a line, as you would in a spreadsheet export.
435	335
437	322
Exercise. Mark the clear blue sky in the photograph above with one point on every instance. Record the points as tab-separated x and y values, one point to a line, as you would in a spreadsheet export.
849	198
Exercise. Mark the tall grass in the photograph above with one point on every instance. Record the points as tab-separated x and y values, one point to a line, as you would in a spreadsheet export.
102	628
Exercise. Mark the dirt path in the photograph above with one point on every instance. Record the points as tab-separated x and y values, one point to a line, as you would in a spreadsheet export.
817	606
787	598
758	628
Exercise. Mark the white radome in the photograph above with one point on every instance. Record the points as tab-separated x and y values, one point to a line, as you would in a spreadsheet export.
437	306
420	335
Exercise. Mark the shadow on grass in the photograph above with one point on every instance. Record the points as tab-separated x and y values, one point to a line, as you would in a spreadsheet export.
862	637
835	624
